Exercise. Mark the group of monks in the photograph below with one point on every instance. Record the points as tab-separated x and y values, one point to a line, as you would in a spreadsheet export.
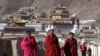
52	47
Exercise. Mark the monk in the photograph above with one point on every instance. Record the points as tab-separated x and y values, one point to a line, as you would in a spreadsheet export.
83	49
70	46
28	45
52	47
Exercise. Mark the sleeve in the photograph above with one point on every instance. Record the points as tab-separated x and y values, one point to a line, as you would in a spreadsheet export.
65	45
22	44
34	43
56	41
80	47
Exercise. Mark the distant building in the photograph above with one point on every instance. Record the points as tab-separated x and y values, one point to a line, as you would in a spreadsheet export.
59	13
17	24
20	20
2	25
26	10
60	25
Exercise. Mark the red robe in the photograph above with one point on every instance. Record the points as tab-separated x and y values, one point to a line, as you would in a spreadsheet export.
70	47
52	46
83	48
28	46
62	53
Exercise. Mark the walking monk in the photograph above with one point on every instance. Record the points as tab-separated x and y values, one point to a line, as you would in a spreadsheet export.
70	46
28	45
51	44
83	49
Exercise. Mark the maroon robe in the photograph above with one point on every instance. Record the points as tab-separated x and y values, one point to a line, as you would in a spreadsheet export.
83	48
52	46
62	52
70	47
28	46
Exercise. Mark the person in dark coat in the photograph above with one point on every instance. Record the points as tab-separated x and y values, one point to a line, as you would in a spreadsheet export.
89	51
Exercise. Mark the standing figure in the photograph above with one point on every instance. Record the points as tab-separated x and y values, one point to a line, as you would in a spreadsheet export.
52	47
89	51
40	48
70	46
28	45
83	49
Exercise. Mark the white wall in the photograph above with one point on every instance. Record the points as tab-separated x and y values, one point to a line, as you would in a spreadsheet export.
38	27
95	50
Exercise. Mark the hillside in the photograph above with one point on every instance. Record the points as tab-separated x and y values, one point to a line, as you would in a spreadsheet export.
88	9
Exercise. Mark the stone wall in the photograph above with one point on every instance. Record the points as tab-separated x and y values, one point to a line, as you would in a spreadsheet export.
5	48
20	53
16	47
10	47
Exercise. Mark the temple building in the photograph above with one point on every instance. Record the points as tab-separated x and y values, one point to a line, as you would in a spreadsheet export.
59	13
18	21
